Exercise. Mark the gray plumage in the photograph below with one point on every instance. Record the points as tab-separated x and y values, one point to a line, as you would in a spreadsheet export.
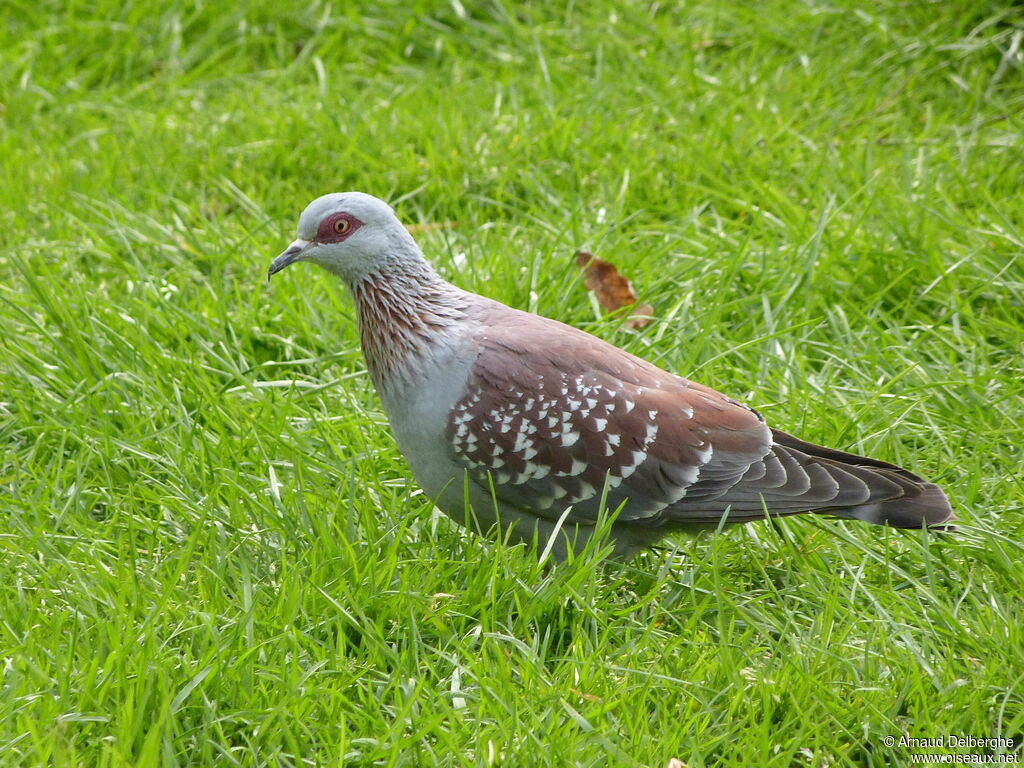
527	417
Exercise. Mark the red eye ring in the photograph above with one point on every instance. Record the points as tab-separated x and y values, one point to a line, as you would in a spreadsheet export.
337	227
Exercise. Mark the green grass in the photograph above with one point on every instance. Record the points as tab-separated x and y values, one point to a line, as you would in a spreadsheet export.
211	551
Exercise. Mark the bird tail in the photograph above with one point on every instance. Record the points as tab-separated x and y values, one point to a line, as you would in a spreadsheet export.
898	498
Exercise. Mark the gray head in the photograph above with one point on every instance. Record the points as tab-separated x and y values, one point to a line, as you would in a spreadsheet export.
353	235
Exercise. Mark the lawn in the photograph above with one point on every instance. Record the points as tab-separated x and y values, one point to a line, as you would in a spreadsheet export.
211	551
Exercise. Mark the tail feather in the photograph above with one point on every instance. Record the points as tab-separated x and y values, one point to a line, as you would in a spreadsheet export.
897	497
928	506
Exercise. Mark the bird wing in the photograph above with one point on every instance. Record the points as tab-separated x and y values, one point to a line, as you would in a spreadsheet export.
553	416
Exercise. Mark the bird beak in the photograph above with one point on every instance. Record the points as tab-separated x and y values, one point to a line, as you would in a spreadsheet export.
290	256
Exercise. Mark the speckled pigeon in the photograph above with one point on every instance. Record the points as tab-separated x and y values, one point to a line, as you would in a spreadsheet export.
535	422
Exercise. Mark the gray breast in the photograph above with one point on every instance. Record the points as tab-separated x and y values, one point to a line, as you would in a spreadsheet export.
419	413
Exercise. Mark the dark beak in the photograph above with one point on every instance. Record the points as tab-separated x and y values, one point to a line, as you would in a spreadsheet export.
290	256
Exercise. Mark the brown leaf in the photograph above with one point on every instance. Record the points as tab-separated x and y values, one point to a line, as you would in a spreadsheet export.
613	291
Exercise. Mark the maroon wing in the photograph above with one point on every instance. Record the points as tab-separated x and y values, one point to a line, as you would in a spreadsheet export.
553	416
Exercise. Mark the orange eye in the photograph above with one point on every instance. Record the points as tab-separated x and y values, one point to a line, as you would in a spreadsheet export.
341	226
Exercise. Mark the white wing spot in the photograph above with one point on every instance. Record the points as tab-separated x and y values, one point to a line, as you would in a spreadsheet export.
540	470
704	454
521	442
586	491
569	438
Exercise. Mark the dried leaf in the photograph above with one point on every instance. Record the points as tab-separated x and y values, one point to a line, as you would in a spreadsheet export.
613	291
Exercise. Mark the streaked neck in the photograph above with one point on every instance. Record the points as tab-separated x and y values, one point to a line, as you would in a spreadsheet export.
402	316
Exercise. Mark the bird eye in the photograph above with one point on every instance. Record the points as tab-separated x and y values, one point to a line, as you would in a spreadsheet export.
341	226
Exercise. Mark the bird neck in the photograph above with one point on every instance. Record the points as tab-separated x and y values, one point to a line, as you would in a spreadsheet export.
403	315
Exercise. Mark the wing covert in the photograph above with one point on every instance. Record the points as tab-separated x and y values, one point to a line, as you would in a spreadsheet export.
551	424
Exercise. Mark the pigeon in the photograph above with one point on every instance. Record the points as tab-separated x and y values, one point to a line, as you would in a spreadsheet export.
516	423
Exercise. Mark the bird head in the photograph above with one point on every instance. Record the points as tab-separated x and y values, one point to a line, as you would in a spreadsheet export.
352	234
